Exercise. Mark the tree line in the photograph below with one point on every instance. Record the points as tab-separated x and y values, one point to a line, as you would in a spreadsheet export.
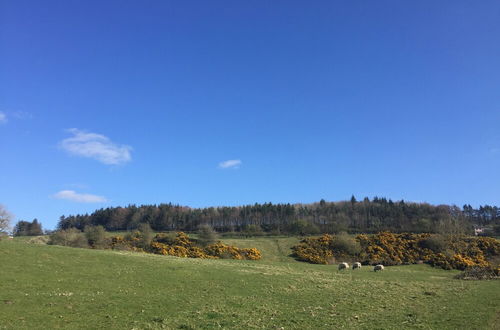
365	216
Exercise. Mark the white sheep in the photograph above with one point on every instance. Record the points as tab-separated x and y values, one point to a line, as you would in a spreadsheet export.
378	267
356	265
343	265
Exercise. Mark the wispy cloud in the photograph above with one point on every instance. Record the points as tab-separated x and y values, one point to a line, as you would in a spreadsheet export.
231	163
73	196
3	118
97	146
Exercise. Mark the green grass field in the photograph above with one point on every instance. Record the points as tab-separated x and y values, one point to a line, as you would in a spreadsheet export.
51	287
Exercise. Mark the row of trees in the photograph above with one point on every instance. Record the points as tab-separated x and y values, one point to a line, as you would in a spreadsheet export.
367	216
482	216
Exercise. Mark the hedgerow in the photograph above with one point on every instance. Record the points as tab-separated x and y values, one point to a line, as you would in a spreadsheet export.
448	252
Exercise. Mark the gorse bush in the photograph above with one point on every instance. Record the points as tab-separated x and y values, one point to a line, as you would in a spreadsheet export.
166	238
172	244
315	250
451	252
327	248
124	243
220	250
182	246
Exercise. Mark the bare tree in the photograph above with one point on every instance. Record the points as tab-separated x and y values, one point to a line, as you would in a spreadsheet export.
5	217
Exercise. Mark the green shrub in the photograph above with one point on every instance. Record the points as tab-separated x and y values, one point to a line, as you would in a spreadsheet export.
253	230
69	237
96	236
343	244
147	235
206	235
303	227
435	243
39	240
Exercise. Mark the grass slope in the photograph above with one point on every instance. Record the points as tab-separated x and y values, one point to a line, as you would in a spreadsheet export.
51	287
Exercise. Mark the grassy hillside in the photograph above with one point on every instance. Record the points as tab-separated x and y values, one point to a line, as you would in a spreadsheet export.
274	249
50	287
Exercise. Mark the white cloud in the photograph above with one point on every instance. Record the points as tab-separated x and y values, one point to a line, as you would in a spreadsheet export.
232	163
73	196
97	146
3	118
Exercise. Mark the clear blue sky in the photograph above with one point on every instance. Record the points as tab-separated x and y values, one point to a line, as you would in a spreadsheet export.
106	103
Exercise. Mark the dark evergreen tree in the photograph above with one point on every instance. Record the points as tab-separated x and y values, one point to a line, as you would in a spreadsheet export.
26	228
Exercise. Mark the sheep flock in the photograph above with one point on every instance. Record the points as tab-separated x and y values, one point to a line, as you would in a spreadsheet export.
357	265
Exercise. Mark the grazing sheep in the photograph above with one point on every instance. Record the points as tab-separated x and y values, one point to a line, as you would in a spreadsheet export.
378	267
343	265
356	265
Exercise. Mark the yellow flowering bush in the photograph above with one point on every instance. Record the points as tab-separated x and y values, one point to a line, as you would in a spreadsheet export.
315	250
220	250
182	246
252	254
120	243
459	252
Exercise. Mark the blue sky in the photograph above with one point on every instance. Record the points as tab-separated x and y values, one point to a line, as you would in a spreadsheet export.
206	103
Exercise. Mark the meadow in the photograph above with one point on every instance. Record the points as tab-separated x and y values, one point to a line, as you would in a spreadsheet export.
54	287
